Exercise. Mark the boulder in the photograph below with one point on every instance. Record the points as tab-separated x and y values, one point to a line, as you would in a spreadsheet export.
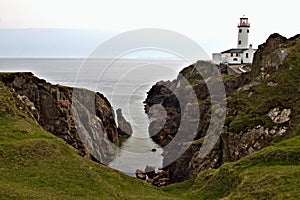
140	174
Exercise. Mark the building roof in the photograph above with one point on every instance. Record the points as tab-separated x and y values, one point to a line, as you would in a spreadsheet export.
235	50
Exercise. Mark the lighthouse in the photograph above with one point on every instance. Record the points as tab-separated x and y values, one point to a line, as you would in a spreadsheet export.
243	32
243	53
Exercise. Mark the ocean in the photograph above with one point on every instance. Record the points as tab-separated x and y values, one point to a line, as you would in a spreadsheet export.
124	82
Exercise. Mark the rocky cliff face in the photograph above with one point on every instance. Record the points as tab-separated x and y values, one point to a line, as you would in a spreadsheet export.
85	122
259	109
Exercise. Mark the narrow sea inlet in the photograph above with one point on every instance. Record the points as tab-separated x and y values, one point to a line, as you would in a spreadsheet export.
125	83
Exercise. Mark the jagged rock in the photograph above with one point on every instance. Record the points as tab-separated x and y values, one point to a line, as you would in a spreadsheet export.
158	179
278	116
166	130
235	146
269	56
124	127
164	110
51	107
232	145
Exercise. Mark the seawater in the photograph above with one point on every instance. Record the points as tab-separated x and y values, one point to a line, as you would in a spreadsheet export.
124	82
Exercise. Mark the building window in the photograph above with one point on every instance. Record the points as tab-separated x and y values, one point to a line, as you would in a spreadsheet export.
235	59
247	30
240	42
247	55
240	30
231	54
237	55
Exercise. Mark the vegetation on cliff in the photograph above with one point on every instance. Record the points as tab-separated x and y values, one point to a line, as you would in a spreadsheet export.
76	115
264	111
272	173
34	164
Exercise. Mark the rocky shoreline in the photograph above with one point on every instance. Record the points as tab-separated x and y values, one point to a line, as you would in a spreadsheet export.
157	178
245	131
234	142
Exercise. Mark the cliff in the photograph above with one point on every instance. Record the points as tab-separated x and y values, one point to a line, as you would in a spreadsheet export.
86	121
35	164
262	108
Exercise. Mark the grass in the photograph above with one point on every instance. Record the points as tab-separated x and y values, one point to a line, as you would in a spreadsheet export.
252	109
34	164
37	165
273	173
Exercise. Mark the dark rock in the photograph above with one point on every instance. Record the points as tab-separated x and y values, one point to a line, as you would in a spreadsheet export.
140	174
223	68
163	107
150	171
124	127
162	183
156	177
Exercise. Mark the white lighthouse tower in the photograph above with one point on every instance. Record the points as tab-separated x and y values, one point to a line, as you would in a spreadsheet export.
243	27
243	54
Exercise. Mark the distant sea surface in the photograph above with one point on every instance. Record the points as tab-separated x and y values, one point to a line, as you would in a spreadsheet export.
124	82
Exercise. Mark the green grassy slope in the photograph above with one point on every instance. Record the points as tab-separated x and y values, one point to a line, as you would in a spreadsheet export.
272	173
37	165
286	94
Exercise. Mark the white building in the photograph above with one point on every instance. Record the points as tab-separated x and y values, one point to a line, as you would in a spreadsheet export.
243	53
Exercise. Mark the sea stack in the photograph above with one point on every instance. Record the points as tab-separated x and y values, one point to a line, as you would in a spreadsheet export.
124	127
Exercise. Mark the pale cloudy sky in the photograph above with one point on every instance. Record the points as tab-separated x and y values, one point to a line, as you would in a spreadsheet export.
212	23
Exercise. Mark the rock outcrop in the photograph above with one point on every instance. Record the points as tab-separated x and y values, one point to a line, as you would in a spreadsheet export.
86	121
163	131
258	110
157	178
124	127
163	108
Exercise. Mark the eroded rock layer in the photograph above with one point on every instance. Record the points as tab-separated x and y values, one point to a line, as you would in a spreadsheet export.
85	120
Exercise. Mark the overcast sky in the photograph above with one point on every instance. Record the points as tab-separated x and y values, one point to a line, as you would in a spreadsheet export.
212	24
